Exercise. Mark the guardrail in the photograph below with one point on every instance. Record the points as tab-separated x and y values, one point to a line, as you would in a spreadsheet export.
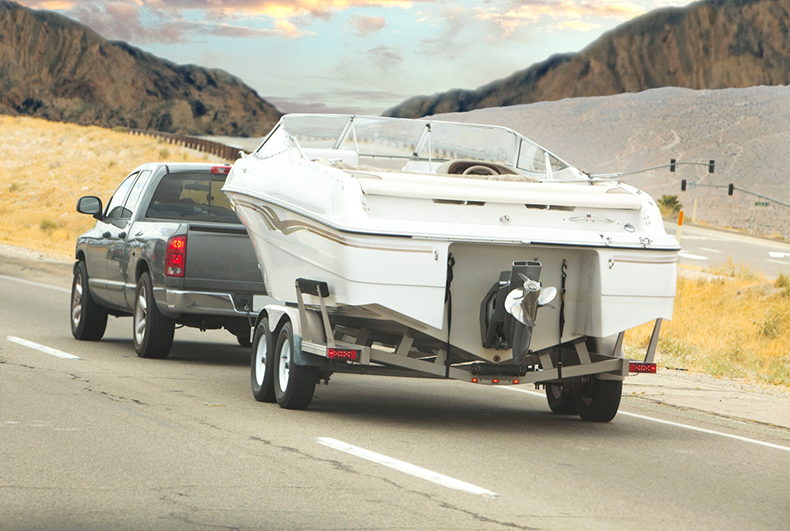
200	144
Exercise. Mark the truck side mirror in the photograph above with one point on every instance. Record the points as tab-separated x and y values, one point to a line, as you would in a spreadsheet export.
90	205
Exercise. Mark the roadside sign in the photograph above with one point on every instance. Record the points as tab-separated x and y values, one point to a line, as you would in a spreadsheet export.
761	203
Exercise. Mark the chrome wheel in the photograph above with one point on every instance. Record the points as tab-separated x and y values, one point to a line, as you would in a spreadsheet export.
76	300
140	316
260	361
284	367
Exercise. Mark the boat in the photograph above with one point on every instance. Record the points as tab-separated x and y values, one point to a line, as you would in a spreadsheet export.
492	255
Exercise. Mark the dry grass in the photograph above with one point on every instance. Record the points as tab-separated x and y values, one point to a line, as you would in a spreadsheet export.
733	324
47	166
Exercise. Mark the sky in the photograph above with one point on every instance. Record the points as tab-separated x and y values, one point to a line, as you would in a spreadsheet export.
361	56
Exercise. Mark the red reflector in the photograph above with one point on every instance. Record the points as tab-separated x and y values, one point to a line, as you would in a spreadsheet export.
220	169
176	256
341	354
494	380
475	380
640	366
516	381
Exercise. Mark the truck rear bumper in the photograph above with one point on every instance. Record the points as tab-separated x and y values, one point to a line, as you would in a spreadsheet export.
174	303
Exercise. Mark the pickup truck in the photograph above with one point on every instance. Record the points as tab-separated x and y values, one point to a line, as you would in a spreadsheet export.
167	250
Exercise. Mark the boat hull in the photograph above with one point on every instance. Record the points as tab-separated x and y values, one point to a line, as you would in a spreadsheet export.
403	279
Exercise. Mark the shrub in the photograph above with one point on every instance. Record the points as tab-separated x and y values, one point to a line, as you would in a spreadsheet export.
164	153
47	225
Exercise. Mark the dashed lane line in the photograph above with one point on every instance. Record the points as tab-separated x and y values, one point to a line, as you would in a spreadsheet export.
408	468
42	348
675	424
37	284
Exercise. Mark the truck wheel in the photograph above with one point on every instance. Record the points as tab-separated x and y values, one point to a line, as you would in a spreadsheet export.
88	319
262	364
294	384
598	400
562	399
153	332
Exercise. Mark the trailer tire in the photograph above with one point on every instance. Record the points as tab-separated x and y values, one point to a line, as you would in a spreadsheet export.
294	384
152	332
598	400
561	399
262	363
88	319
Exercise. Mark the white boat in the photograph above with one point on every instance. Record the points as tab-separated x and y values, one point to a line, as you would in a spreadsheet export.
420	228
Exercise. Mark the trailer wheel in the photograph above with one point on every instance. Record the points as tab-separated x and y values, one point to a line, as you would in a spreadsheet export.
294	384
152	332
598	400
561	399
88	319
262	364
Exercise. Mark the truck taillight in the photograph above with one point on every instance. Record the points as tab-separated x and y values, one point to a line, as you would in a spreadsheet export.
176	256
220	169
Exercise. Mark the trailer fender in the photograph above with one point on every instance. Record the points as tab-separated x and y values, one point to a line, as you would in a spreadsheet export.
278	315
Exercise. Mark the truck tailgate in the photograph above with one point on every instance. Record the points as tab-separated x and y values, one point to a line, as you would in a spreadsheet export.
221	257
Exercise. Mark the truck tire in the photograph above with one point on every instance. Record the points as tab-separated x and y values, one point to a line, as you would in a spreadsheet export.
244	339
88	319
152	331
598	400
294	384
561	399
262	364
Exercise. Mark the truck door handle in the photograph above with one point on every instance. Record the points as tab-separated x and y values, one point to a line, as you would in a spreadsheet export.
105	234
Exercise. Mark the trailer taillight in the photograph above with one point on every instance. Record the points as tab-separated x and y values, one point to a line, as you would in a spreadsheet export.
176	256
641	366
341	354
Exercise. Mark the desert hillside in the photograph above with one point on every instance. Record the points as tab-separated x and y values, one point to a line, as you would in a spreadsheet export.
713	44
56	68
746	131
46	166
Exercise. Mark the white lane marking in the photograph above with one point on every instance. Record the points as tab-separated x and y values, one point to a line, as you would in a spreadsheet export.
408	468
773	254
37	284
42	348
675	424
684	254
710	250
777	261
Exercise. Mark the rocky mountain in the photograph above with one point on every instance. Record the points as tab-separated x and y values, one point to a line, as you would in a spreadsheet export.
56	68
745	130
707	45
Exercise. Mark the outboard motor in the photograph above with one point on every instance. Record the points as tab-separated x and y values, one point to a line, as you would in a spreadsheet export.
509	309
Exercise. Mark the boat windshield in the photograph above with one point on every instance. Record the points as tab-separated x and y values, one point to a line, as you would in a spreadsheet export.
375	137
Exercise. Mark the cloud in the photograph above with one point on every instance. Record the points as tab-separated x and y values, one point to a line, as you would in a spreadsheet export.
384	57
576	25
367	26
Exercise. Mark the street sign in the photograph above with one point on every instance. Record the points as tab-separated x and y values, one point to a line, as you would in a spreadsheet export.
761	203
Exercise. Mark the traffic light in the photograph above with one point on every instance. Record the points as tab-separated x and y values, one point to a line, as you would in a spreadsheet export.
683	185
711	166
672	165
730	188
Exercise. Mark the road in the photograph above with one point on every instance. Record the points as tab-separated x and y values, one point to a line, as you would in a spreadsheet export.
112	441
703	248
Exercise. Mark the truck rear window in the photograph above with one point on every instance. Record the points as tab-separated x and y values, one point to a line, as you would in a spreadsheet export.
191	197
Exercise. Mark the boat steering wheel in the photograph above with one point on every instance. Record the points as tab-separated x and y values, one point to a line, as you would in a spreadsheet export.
480	170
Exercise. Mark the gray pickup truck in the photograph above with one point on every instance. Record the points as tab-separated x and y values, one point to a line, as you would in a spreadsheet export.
167	250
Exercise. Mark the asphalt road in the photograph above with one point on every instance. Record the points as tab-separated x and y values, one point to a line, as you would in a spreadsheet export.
704	248
112	441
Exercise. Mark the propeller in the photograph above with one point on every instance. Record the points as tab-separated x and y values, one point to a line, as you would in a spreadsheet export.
523	303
